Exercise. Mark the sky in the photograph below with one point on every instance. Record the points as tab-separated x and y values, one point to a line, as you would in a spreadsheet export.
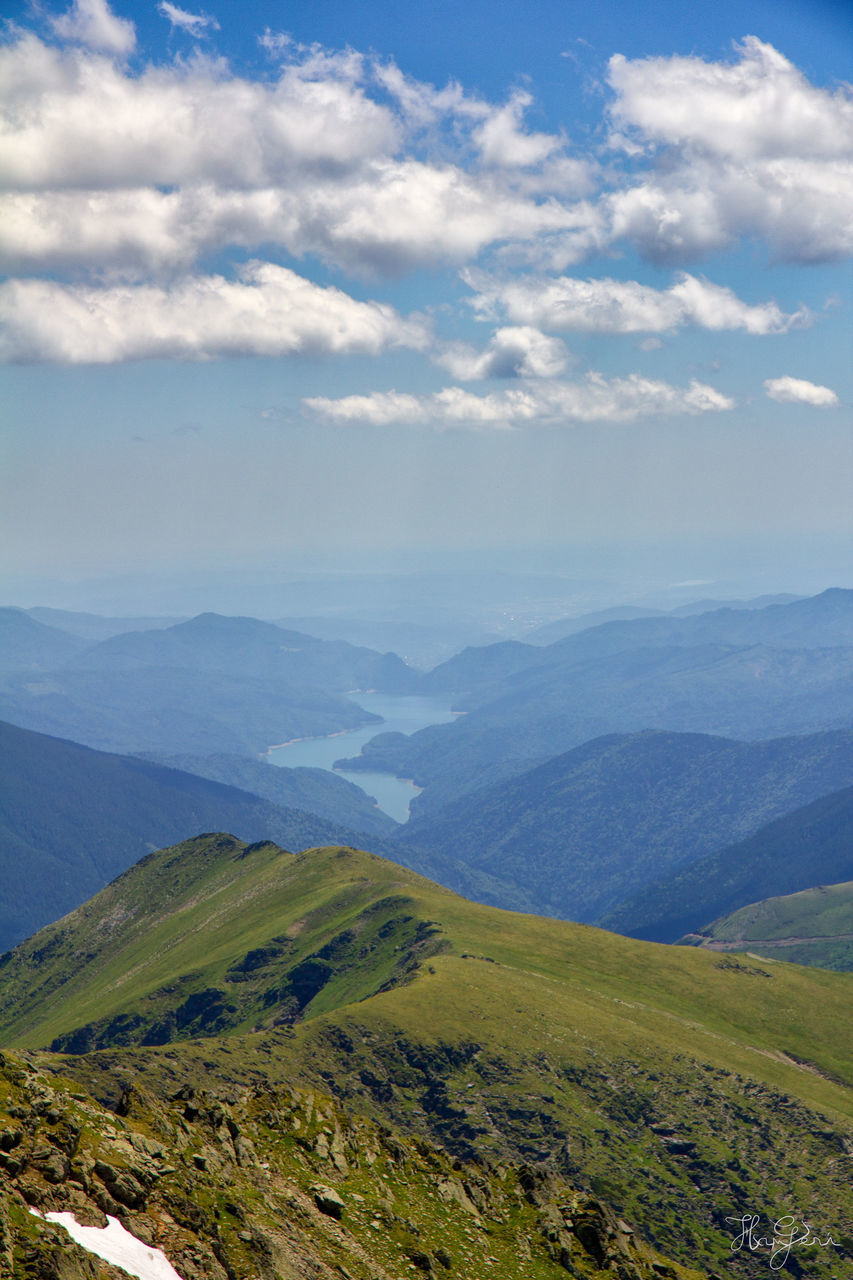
323	283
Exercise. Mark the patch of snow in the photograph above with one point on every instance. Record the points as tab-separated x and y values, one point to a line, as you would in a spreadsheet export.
114	1244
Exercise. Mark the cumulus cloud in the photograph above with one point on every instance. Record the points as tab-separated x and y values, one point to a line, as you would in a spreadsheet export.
518	351
591	399
623	306
754	150
396	217
503	141
269	311
93	23
194	24
799	391
112	173
78	120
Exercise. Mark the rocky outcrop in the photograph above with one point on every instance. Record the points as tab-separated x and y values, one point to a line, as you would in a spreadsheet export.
277	1185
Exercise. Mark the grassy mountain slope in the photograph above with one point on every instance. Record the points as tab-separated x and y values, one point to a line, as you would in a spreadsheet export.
71	819
576	835
279	1182
812	845
677	1084
814	926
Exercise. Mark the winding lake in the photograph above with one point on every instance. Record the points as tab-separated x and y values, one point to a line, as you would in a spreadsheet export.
401	714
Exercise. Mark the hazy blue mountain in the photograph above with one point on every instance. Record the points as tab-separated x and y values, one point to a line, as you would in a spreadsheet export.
419	644
540	712
175	709
562	627
757	602
28	646
574	836
317	790
212	684
94	627
71	819
483	666
813	845
249	647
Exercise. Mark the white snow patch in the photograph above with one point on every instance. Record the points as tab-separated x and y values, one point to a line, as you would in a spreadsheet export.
114	1244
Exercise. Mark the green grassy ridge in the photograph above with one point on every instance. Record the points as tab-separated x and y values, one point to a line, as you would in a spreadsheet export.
814	926
505	1037
200	907
73	818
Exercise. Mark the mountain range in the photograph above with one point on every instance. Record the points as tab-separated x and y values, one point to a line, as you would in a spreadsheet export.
579	834
72	818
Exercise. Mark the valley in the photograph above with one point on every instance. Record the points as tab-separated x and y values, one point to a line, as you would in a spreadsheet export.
299	1003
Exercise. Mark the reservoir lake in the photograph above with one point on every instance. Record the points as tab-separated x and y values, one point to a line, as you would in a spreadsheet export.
401	713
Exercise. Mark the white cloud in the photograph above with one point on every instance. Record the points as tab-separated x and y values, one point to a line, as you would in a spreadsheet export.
503	141
759	106
799	391
754	149
93	23
513	352
395	217
592	399
77	120
623	306
195	24
270	311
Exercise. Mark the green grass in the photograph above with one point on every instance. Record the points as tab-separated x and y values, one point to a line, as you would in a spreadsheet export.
681	1085
813	927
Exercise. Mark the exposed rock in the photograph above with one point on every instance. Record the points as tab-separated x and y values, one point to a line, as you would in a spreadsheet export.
328	1201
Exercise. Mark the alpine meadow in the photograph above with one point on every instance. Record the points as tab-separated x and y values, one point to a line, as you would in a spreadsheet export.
426	640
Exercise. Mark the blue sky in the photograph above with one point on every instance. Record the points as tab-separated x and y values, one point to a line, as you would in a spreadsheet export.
289	280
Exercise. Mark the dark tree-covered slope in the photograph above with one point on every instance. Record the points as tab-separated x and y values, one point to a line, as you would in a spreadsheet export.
813	845
575	835
72	818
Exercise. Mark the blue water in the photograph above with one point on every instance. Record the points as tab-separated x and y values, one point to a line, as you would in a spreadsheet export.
400	714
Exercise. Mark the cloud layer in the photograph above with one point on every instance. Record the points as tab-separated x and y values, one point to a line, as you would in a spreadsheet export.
593	399
270	311
799	391
132	193
623	306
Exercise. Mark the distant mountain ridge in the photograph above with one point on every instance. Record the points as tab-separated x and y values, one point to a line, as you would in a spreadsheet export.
731	673
813	845
72	818
212	684
575	836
